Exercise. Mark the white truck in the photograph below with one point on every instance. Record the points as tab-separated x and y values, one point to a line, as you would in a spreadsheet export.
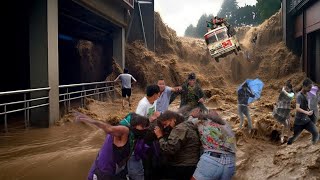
220	44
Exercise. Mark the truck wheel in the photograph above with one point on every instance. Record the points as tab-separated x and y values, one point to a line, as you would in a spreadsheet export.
217	59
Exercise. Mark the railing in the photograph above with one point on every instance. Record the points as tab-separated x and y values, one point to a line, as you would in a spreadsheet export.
33	98
129	2
25	105
96	90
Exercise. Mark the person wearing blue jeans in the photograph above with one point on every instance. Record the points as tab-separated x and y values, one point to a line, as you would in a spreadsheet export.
302	120
218	142
244	93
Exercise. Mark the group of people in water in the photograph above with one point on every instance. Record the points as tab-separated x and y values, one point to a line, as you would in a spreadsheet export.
190	143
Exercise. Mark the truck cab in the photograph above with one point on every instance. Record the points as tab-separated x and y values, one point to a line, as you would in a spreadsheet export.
220	44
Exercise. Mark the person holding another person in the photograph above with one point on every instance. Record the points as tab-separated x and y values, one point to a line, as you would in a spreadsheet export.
116	150
281	111
165	94
182	146
218	145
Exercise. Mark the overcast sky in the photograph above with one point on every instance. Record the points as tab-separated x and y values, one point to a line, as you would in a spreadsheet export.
179	14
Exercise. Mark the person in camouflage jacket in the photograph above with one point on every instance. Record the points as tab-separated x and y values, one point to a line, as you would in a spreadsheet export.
182	146
191	94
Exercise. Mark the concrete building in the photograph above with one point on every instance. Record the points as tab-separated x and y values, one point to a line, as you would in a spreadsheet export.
142	26
301	32
47	39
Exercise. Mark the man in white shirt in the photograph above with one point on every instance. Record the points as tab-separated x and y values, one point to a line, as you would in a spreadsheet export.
126	80
147	106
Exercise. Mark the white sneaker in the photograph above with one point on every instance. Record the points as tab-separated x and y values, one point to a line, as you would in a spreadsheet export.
282	140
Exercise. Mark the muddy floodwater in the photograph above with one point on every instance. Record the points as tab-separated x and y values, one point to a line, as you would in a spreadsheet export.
64	152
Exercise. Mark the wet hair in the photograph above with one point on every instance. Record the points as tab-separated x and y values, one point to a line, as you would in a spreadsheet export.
137	119
152	89
160	77
125	70
191	76
289	85
212	115
307	82
170	115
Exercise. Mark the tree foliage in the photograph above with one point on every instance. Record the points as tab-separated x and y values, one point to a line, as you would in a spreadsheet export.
267	8
236	16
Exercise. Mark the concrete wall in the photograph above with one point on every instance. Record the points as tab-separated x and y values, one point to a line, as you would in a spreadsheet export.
136	31
107	9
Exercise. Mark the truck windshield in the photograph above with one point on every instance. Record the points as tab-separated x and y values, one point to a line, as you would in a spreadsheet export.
211	39
221	35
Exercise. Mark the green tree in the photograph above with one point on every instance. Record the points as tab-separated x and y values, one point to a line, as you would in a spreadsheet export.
190	31
228	9
201	27
266	8
246	15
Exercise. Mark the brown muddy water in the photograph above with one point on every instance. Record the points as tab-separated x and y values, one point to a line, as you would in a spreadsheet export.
64	152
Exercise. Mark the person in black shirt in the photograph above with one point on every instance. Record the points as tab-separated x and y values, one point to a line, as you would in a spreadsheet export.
302	120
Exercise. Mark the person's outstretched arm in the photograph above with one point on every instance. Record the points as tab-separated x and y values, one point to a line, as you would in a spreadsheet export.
107	128
117	78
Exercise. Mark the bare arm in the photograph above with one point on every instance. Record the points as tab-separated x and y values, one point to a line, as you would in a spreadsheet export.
133	79
176	89
117	131
117	78
298	109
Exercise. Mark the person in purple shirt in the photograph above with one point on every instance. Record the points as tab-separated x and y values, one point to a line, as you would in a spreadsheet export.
117	148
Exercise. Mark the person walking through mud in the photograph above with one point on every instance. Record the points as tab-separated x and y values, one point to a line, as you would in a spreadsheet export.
218	160
165	94
302	120
281	111
244	93
117	148
191	94
182	146
126	81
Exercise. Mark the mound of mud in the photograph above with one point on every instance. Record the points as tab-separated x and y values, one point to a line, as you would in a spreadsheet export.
166	38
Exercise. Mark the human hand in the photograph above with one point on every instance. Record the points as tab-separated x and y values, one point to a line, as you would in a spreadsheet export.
158	132
309	113
80	117
201	100
195	112
154	116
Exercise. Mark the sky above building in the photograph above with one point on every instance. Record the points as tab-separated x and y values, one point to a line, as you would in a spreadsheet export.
179	14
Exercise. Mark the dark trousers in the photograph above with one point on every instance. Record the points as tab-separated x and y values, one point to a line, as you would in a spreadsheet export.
310	127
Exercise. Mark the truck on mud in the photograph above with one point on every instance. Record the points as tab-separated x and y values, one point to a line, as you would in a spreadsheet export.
220	44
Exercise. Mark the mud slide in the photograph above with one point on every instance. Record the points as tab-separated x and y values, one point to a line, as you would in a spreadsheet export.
67	151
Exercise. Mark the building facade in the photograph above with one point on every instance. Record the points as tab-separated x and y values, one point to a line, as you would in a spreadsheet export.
301	33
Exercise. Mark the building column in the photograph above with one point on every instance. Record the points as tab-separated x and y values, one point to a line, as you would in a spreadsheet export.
44	61
119	47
